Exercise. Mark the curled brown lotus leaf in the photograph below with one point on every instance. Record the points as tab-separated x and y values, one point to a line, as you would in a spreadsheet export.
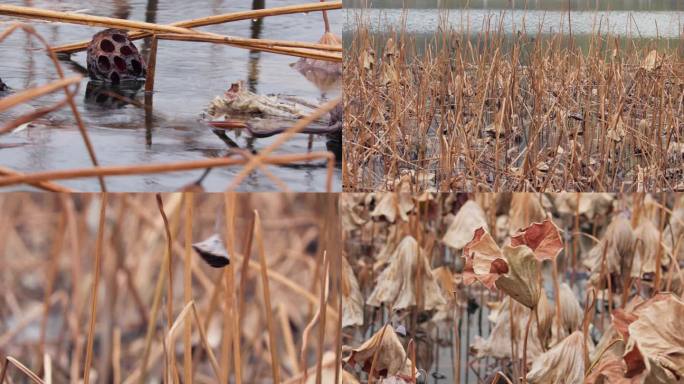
484	260
542	238
648	242
391	360
525	210
469	218
521	282
352	300
396	284
562	364
656	340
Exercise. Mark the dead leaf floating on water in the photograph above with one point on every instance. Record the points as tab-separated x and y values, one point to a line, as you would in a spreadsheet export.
212	251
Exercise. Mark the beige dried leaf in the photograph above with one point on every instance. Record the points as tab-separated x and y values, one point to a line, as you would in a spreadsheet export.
391	358
392	205
484	260
648	242
570	310
396	285
562	364
352	300
651	62
469	218
521	283
656	340
525	210
498	343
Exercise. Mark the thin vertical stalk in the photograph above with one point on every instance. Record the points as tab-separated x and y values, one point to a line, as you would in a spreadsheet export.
258	234
96	279
187	288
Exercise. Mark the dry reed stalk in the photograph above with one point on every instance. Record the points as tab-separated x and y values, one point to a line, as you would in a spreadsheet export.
188	201
231	329
32	93
523	116
69	96
272	346
298	49
160	168
44	185
151	65
55	253
190	309
32	376
219	19
159	287
93	301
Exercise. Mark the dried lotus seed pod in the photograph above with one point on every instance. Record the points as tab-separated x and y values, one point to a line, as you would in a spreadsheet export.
112	57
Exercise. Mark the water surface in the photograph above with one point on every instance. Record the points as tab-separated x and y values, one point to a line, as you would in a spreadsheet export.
189	76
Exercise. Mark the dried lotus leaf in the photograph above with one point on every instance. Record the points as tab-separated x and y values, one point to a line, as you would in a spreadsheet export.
521	283
657	338
469	218
483	259
542	238
562	364
396	283
525	210
352	300
391	356
648	242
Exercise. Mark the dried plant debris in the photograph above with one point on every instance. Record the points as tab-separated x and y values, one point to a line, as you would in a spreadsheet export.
116	245
579	288
500	111
212	251
240	101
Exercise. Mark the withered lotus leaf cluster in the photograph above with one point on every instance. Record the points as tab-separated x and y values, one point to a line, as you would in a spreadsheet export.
575	288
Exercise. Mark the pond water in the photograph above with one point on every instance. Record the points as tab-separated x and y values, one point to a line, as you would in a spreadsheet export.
188	76
635	23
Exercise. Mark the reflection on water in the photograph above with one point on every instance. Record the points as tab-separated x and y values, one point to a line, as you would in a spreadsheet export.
128	127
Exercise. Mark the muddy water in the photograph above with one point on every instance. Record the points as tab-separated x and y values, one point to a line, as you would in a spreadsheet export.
189	76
